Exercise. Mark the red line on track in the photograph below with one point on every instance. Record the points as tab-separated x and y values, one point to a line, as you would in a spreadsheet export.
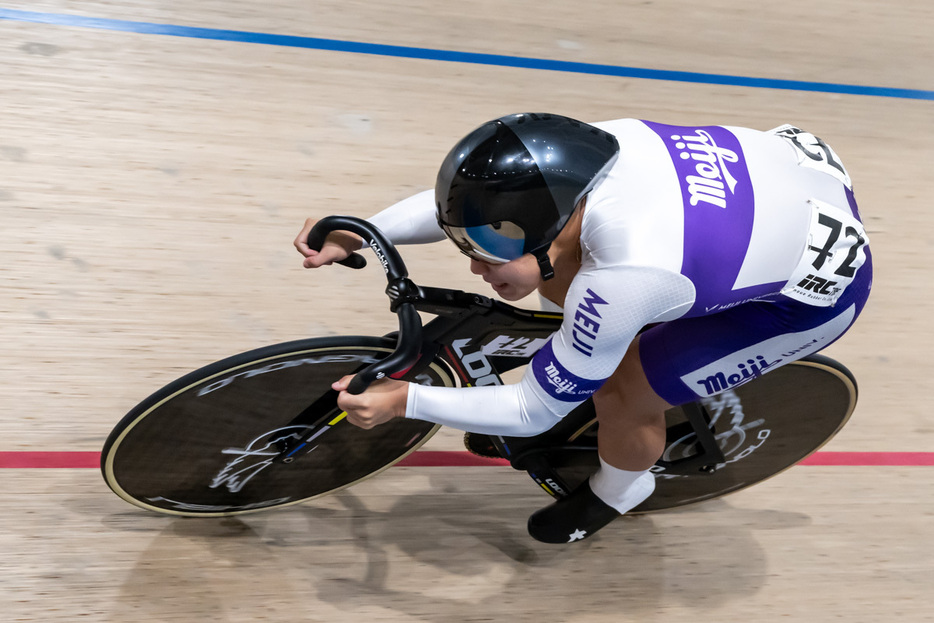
32	460
429	458
886	459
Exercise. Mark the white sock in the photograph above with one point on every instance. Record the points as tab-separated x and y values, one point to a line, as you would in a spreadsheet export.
621	489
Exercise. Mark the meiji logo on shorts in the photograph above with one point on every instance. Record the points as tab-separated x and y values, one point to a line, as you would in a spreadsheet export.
744	372
559	382
710	178
751	362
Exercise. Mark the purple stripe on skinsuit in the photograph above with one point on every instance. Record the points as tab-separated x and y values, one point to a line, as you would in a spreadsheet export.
851	200
719	207
558	381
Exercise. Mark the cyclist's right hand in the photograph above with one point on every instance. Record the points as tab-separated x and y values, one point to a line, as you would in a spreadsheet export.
338	246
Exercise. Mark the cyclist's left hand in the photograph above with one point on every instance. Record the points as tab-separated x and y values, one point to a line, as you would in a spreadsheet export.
382	401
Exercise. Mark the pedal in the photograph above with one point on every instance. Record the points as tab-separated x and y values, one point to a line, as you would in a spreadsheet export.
481	445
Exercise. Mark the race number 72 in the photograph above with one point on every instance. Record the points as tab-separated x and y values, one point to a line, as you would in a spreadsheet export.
846	269
834	252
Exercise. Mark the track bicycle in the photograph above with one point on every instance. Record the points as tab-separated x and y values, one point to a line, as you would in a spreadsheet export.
262	429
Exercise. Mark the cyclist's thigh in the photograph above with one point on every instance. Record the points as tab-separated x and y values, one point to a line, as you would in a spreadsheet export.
693	358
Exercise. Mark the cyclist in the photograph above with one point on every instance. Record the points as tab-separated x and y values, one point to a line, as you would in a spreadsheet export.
687	260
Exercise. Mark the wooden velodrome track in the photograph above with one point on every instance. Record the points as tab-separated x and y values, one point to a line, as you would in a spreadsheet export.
152	180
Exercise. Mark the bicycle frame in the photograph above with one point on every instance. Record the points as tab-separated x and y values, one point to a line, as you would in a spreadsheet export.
479	339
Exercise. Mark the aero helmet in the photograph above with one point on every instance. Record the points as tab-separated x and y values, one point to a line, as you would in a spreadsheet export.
510	186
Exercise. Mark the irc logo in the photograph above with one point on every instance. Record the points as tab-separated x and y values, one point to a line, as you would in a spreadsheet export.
818	285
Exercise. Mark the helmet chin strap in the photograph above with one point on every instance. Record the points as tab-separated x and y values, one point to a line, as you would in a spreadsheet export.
544	264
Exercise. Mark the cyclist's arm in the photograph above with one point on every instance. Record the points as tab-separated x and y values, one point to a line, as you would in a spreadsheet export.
494	410
604	310
411	221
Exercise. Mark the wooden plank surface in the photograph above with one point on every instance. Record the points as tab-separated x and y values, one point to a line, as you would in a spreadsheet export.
150	187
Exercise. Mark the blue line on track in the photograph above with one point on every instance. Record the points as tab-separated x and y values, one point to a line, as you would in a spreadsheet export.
498	60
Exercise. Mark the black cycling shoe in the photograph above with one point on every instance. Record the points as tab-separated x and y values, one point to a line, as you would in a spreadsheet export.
481	445
572	518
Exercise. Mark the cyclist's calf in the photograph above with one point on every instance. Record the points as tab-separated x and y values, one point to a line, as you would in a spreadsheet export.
631	416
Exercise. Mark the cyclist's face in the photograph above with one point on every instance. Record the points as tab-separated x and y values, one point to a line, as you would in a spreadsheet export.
513	280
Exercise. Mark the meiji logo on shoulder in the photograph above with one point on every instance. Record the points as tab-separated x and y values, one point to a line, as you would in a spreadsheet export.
711	176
